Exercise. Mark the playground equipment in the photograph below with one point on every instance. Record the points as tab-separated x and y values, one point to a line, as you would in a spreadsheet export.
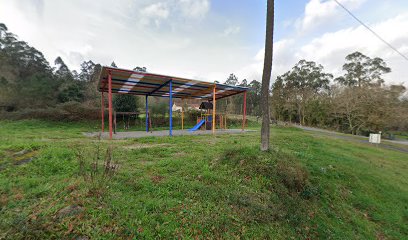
126	122
126	118
206	118
123	81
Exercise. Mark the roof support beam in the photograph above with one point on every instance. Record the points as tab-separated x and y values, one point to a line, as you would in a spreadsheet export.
159	87
229	95
201	92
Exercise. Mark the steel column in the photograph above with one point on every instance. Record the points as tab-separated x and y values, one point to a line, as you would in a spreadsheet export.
103	111
213	113
171	108
182	114
147	114
244	112
110	102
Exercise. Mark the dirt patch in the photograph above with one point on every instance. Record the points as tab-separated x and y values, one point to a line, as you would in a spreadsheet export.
157	179
144	162
21	153
3	200
145	145
24	156
24	161
180	154
69	211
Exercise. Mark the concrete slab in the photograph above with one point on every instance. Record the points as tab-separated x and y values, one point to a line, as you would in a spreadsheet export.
165	133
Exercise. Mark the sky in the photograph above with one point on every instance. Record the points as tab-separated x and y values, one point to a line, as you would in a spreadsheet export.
209	39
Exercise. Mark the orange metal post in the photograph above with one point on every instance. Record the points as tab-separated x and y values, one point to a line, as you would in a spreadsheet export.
213	113
103	111
244	112
110	102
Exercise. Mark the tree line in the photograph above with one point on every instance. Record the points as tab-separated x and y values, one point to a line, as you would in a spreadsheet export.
28	81
356	102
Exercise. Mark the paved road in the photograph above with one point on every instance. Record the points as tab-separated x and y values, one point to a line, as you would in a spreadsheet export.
360	139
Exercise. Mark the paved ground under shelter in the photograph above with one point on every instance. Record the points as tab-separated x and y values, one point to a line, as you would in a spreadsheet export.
165	133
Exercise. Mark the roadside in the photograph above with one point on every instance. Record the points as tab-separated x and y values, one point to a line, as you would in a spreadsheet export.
401	146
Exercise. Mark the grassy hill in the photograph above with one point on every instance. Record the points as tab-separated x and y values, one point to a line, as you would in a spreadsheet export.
55	183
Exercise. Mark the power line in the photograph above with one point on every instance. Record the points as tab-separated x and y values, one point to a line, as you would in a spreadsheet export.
372	31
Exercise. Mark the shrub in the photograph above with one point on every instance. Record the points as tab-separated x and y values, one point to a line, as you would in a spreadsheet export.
70	111
292	175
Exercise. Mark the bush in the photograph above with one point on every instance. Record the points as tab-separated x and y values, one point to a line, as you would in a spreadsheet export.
70	111
125	103
275	165
292	175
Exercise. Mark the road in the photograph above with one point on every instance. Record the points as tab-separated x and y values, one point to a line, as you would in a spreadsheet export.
388	144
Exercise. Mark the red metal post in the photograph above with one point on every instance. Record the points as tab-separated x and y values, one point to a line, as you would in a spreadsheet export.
103	112
244	112
110	102
214	109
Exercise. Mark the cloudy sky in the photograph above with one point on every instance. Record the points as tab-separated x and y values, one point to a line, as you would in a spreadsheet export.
209	39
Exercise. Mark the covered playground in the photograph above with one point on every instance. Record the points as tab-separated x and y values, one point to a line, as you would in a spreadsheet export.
123	81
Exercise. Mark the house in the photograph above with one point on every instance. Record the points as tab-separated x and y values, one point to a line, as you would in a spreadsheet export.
176	108
195	106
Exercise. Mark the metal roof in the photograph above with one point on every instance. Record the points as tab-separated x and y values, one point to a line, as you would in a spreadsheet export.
141	83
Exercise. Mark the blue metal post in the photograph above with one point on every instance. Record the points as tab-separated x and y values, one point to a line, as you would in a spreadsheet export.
147	115
171	108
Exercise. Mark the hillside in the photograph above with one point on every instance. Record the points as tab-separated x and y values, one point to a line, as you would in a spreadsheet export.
309	186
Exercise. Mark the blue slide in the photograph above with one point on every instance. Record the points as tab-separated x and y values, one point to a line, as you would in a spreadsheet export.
196	127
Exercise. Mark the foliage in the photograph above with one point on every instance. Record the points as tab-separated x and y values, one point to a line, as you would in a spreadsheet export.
28	80
359	104
69	111
294	91
362	70
158	106
306	187
125	103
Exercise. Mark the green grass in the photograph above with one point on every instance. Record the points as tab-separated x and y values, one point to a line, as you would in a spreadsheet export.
199	186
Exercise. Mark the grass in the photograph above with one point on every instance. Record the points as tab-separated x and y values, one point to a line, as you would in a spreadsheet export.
198	186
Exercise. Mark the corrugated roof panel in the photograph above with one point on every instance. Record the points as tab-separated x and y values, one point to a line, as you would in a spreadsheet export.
139	83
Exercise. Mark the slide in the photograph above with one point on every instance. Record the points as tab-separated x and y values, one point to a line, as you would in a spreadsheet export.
196	127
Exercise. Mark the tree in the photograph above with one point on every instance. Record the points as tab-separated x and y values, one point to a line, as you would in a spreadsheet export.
62	71
232	80
306	81
113	64
254	96
140	69
71	92
244	83
230	104
125	103
362	70
87	71
266	76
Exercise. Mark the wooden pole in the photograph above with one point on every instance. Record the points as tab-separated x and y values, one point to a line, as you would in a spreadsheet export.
110	102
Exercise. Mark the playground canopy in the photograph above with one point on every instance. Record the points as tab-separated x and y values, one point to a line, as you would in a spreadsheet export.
123	81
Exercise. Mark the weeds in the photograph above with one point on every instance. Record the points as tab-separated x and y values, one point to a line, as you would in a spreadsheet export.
96	173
